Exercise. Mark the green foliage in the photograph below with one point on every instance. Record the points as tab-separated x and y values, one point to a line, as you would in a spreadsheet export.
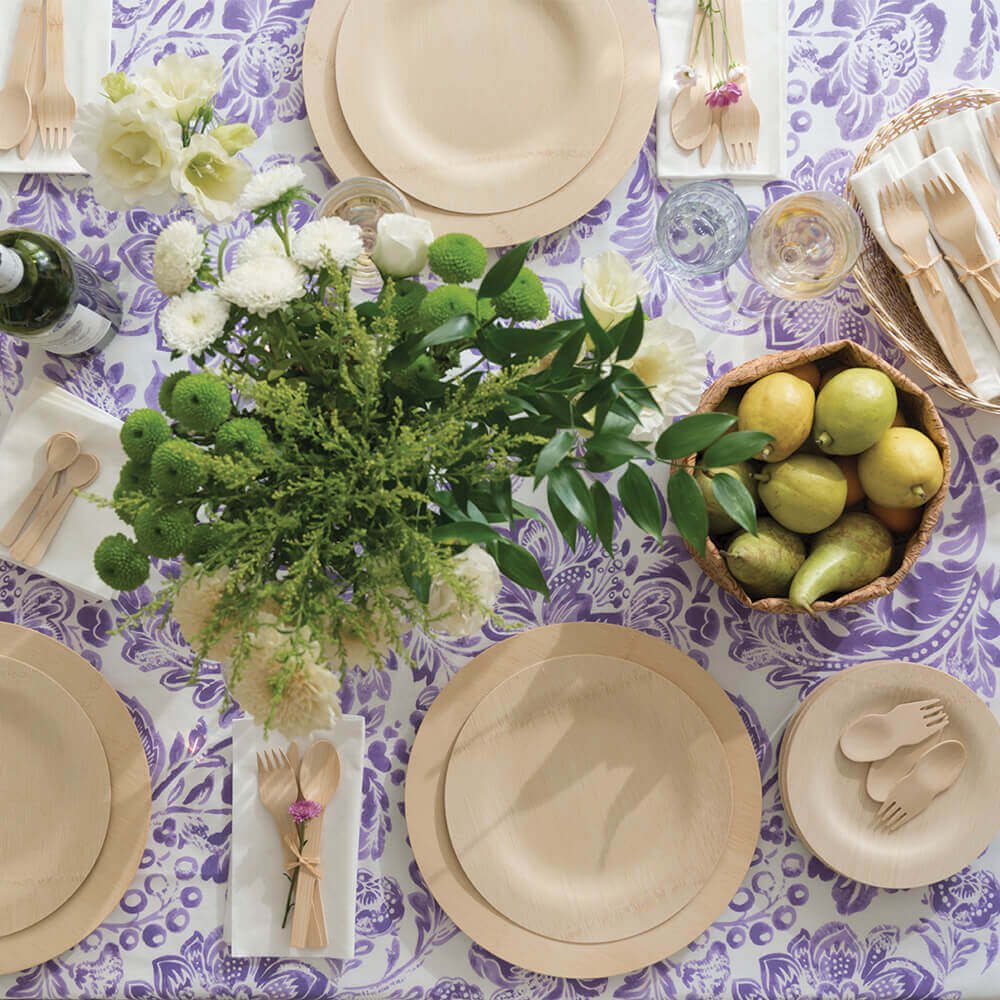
141	432
457	258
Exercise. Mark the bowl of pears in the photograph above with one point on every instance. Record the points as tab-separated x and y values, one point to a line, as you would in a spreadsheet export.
847	492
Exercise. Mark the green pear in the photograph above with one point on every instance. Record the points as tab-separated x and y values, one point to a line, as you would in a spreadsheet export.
780	405
719	522
902	470
853	410
847	555
766	562
804	493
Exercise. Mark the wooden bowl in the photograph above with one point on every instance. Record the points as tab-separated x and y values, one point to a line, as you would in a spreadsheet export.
879	280
920	413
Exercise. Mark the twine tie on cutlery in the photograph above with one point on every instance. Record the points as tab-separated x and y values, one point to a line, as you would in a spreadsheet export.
932	278
310	864
965	274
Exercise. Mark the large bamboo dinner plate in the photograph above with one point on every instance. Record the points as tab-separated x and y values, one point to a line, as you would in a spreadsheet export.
824	793
56	795
556	781
624	141
128	825
427	822
478	106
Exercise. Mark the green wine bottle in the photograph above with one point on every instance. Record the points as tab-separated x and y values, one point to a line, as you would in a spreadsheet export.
53	298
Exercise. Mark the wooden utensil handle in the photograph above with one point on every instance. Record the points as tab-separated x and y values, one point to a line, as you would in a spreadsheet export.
27	29
306	890
54	50
734	27
38	550
947	330
39	523
34	81
13	527
317	937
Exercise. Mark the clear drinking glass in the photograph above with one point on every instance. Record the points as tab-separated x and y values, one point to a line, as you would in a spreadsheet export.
363	201
702	228
804	245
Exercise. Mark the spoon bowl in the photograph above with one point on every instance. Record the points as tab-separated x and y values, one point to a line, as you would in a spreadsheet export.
15	114
876	736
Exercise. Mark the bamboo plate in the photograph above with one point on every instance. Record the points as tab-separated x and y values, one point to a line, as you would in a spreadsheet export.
444	96
130	802
56	791
640	89
427	824
825	795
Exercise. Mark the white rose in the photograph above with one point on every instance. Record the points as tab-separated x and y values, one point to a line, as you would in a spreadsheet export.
212	179
610	287
129	150
180	84
475	566
401	243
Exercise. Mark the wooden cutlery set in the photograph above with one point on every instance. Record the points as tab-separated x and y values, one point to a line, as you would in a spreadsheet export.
30	531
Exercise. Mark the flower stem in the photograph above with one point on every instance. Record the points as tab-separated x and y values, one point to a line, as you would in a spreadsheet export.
293	879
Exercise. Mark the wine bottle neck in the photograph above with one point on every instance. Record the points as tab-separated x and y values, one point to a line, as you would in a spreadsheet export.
11	269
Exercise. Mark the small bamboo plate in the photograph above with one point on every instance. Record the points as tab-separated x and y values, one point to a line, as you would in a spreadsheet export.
825	797
427	824
555	782
56	791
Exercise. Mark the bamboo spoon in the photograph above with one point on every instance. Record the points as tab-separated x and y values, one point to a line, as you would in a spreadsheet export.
33	84
883	774
60	452
873	737
934	773
38	550
15	105
690	116
317	915
319	776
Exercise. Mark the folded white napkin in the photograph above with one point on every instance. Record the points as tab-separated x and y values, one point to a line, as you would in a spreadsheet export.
764	27
866	185
904	152
39	412
87	35
962	133
257	888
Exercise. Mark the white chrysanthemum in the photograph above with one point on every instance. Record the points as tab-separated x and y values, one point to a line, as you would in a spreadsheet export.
212	179
481	572
195	604
669	362
180	84
178	254
262	242
263	285
193	320
610	287
329	242
685	76
270	185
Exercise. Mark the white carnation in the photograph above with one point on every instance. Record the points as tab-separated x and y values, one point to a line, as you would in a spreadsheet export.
610	287
180	84
195	604
263	285
177	256
270	185
444	606
330	242
191	321
262	242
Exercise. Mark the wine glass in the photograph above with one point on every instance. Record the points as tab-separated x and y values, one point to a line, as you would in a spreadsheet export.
805	244
702	228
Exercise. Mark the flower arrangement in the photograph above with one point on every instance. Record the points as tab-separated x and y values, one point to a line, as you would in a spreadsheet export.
155	137
725	74
345	473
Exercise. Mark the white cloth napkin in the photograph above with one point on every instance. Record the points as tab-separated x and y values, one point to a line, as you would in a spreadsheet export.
257	888
764	27
42	410
866	185
87	34
904	152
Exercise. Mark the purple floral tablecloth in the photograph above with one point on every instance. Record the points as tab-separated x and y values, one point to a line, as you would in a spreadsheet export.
794	929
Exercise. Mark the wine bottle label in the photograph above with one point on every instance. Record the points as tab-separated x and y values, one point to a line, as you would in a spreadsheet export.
79	331
11	270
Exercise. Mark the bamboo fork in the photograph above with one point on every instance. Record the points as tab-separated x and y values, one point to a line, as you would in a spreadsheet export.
983	190
991	131
56	106
740	121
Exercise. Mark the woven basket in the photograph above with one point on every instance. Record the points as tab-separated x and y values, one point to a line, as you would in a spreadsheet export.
882	285
919	411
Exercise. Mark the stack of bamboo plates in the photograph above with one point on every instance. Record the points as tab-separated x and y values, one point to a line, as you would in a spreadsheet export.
76	798
583	799
506	121
824	793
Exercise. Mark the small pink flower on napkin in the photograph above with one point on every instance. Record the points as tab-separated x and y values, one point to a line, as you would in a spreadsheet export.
304	810
722	95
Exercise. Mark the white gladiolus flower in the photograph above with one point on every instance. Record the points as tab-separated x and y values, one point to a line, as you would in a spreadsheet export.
330	242
610	287
263	285
401	244
179	85
481	572
193	320
212	179
178	254
270	185
129	150
261	242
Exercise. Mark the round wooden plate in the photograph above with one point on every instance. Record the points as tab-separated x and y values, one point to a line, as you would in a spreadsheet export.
825	792
128	826
555	782
640	90
56	794
445	97
427	823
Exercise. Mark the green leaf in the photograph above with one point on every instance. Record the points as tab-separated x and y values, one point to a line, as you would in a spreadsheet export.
566	523
571	488
735	500
464	532
736	447
687	507
640	500
605	508
520	566
508	342
604	344
553	453
629	333
452	330
502	274
692	434
527	512
418	582
606	451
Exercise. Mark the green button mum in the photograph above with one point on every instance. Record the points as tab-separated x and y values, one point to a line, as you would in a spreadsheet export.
201	402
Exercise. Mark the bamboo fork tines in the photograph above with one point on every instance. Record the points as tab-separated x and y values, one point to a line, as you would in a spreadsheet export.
740	121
